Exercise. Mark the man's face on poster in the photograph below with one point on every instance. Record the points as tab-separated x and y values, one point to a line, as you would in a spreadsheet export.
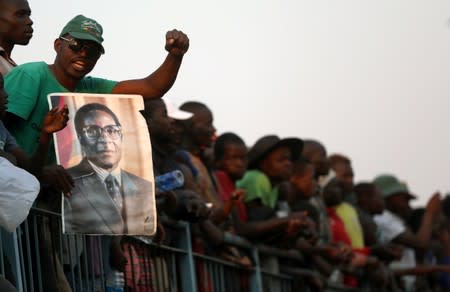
102	140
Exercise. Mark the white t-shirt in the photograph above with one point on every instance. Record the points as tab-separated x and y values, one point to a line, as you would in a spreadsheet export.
391	226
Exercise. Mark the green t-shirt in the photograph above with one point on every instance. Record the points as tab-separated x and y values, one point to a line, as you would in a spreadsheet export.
257	186
28	86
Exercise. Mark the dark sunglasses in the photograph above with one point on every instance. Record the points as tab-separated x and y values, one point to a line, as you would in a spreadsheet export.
92	50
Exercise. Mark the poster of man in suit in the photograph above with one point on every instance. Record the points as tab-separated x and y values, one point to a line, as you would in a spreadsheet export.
106	149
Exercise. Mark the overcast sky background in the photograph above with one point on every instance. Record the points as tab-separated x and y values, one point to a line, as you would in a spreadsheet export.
370	79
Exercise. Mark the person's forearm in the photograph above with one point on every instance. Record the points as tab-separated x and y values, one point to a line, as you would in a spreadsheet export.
254	229
424	233
313	249
214	234
419	270
156	84
164	77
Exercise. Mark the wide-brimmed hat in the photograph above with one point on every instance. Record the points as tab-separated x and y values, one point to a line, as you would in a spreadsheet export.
266	144
390	185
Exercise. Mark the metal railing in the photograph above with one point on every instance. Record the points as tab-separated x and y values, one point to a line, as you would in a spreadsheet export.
38	257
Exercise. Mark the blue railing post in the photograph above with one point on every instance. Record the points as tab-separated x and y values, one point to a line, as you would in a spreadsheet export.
188	276
255	278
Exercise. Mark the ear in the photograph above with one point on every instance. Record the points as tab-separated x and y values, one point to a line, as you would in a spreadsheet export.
57	45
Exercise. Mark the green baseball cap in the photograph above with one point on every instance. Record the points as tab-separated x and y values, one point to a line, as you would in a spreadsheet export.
83	28
389	185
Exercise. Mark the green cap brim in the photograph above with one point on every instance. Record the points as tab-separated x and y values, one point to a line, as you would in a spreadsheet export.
88	37
398	189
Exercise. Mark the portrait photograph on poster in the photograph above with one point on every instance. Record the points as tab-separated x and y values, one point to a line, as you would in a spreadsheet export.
106	149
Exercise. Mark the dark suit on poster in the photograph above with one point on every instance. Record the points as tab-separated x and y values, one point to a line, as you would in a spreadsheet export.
91	210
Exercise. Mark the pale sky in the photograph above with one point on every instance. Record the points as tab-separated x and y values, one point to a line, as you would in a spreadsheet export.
370	79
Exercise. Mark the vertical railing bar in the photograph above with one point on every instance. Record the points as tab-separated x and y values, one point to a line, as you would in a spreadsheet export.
27	246
22	265
91	256
78	265
102	270
2	264
174	271
69	251
84	254
38	256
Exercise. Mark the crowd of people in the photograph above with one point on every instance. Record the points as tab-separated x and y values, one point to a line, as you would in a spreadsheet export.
287	193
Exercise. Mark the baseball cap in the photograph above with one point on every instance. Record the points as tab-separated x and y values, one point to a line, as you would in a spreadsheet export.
389	185
83	28
175	113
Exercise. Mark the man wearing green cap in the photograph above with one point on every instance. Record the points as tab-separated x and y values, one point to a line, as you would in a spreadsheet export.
78	48
392	224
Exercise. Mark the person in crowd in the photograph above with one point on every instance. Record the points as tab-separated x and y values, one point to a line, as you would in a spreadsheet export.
55	120
230	154
106	199
178	204
78	48
304	186
369	203
159	115
342	166
270	163
16	28
393	228
333	193
198	134
343	172
316	152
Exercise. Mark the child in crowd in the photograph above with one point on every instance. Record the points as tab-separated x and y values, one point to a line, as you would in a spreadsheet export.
304	186
230	154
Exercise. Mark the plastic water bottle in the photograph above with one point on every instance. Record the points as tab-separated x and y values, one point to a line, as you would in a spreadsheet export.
115	281
169	181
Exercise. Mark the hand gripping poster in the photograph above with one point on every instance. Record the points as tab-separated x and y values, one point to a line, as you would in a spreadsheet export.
106	149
